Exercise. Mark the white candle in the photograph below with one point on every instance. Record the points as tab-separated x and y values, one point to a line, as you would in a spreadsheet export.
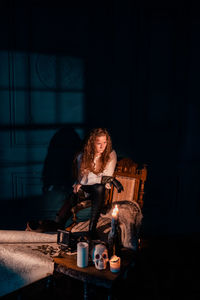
114	218
115	263
82	254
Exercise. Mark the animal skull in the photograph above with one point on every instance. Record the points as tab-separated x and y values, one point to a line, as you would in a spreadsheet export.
100	256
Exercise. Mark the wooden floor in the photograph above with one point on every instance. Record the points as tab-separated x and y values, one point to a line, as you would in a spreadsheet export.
167	268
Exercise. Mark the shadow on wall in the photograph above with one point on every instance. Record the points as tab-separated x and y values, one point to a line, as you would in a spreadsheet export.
57	180
57	170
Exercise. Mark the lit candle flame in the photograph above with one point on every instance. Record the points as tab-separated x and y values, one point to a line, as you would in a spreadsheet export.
115	211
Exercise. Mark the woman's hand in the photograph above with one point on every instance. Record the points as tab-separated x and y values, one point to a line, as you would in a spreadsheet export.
76	188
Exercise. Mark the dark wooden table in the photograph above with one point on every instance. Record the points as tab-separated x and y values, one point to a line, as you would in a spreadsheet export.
67	264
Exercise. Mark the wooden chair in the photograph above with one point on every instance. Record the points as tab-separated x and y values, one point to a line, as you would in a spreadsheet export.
133	180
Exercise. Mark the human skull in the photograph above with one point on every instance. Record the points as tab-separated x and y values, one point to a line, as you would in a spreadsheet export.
100	256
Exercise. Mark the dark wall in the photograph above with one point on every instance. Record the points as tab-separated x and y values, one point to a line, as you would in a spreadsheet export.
141	75
149	81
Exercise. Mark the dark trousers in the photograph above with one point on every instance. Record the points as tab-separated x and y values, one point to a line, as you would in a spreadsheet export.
96	193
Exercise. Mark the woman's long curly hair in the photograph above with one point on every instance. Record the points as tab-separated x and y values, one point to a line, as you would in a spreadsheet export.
88	152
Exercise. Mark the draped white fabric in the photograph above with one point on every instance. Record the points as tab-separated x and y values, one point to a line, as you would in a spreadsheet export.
25	257
17	236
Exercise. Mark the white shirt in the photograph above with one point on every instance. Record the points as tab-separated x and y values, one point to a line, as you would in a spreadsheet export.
92	178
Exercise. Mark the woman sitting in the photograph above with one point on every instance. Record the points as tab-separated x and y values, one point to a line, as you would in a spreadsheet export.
95	165
96	160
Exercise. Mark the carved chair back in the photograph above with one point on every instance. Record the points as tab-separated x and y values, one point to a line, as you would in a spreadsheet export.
132	178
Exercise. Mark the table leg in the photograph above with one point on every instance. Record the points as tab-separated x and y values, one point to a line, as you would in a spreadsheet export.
85	290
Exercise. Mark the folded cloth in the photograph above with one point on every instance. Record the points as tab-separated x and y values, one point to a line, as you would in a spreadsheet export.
130	220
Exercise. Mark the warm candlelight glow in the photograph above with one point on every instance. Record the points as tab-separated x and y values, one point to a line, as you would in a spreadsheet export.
115	211
115	263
